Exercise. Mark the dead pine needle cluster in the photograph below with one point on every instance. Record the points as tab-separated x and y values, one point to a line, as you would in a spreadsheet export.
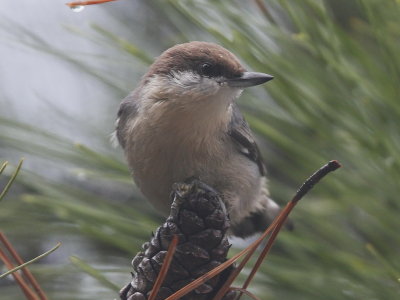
12	260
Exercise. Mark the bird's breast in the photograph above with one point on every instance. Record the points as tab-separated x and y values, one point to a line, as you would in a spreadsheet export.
157	161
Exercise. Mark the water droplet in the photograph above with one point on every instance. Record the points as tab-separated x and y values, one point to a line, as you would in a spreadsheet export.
77	8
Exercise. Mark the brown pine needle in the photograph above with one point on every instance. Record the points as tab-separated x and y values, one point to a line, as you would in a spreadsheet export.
30	295
25	271
252	248
165	267
266	249
89	2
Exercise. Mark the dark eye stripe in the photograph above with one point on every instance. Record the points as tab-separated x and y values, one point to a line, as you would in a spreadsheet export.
210	70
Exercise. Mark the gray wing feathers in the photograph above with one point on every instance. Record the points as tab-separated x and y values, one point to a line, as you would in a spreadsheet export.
127	111
240	132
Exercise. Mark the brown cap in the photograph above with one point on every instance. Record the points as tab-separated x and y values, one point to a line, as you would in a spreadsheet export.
207	59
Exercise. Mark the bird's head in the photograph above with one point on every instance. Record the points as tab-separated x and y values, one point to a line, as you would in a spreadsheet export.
197	72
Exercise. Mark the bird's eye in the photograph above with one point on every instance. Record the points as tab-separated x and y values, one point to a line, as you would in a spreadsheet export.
207	69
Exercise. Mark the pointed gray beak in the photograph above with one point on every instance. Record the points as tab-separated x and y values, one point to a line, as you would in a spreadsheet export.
249	79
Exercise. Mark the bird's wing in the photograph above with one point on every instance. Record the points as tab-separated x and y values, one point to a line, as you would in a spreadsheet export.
240	132
127	111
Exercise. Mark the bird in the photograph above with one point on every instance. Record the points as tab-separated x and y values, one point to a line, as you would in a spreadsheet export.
183	121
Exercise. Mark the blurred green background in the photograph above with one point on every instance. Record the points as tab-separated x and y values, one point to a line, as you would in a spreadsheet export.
336	95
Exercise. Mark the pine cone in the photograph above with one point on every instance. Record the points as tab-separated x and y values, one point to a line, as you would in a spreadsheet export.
199	218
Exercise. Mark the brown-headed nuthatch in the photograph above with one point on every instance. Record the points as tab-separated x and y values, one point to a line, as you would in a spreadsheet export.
182	121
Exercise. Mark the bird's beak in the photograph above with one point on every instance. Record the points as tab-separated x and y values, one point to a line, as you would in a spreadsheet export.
249	79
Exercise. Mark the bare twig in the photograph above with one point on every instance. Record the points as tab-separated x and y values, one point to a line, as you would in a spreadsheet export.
304	189
314	178
275	226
